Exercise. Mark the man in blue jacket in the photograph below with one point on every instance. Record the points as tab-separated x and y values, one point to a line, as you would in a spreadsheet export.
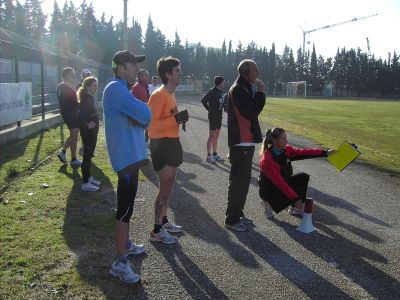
125	119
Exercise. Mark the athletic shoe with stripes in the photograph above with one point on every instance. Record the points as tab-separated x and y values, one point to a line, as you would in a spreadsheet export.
163	237
172	228
124	272
134	250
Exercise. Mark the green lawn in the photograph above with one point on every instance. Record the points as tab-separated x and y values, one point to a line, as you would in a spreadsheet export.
53	240
373	125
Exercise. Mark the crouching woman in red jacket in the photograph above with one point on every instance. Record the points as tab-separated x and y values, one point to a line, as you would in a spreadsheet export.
278	186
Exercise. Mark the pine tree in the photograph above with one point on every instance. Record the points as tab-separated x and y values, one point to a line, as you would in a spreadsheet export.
56	28
20	25
87	32
35	19
7	14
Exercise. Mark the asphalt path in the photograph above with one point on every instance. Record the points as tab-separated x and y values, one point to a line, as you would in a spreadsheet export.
354	254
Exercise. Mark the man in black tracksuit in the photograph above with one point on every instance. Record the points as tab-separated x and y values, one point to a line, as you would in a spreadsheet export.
246	100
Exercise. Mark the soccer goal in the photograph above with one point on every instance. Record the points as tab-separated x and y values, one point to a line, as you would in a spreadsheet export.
296	89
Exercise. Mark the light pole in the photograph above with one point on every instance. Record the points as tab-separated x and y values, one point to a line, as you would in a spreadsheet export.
124	30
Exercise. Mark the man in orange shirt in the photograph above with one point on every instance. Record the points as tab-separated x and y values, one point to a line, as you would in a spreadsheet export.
165	147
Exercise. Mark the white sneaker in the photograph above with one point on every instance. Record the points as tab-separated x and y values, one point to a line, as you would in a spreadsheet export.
134	250
293	210
75	163
89	187
218	158
94	181
172	228
268	210
163	237
210	159
124	272
62	157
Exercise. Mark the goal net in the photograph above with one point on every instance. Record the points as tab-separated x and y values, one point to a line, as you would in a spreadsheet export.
296	89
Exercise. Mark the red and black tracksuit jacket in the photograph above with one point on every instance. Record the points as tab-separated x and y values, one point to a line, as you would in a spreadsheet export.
244	106
276	170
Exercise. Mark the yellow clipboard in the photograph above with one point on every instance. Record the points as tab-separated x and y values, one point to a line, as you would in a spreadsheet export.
344	155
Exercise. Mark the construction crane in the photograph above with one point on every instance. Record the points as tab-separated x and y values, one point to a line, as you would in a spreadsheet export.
329	26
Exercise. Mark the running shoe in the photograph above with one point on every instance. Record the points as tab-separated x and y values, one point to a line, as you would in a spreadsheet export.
163	237
62	157
218	158
89	187
172	228
124	272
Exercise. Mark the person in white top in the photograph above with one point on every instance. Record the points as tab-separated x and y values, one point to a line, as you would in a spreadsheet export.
155	83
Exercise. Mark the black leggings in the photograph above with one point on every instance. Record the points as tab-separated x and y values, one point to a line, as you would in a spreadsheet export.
126	194
89	140
277	199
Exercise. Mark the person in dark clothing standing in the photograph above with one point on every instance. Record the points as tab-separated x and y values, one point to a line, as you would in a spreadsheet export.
213	101
246	100
85	73
89	128
69	106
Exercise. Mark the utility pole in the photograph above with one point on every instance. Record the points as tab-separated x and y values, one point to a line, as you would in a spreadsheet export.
329	26
124	30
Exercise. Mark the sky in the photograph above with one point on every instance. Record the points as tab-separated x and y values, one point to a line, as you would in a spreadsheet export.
266	22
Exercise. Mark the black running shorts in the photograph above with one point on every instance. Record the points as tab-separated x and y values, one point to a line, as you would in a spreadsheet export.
165	151
71	120
215	123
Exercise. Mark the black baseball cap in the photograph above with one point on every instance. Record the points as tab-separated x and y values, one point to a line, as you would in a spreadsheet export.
126	56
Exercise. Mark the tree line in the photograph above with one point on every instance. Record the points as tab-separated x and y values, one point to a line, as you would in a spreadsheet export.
77	30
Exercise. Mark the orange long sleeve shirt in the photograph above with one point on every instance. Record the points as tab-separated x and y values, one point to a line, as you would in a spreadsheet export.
163	108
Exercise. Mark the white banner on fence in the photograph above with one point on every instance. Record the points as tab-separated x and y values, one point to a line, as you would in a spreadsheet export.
15	102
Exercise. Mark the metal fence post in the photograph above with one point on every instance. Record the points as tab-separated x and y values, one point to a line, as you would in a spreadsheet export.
16	72
42	84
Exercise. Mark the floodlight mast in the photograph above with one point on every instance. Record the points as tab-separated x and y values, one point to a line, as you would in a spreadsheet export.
125	27
329	26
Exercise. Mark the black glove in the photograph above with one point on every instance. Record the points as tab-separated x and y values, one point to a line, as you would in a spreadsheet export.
182	117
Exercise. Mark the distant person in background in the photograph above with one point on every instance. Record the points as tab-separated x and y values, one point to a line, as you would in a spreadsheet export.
125	119
155	84
140	90
246	101
84	74
213	101
89	128
69	106
278	187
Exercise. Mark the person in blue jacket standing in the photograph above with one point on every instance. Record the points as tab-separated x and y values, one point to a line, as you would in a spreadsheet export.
125	120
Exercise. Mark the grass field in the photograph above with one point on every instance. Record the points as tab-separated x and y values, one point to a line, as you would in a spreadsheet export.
50	238
373	125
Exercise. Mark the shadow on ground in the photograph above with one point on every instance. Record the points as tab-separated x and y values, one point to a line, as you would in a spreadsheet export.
196	283
350	258
88	230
